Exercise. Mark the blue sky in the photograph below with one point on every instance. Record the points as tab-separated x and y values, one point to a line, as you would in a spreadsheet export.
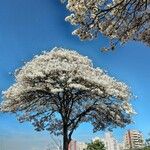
31	26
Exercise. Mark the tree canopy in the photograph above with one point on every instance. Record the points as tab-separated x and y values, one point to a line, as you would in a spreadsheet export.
146	148
58	90
96	145
119	20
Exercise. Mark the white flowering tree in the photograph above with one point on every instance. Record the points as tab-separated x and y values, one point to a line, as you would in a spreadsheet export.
120	20
59	90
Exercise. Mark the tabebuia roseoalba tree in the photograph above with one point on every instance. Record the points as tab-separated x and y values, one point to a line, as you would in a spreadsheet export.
119	20
59	90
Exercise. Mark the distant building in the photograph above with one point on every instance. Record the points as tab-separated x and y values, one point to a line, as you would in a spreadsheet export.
81	145
133	139
110	142
74	145
120	145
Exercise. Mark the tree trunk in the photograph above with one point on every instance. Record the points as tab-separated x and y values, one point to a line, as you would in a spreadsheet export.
65	138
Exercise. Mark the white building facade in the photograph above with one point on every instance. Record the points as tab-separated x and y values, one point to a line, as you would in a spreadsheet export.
110	142
75	145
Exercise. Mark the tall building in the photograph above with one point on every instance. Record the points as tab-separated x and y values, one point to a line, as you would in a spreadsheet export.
74	145
81	145
133	139
110	142
120	145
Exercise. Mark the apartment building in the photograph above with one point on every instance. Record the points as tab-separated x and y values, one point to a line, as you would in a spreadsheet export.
133	139
75	145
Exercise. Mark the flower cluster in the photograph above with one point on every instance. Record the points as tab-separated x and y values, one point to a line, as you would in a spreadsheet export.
119	20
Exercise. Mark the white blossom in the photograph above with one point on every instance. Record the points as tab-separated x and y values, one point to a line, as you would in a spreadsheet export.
119	20
62	88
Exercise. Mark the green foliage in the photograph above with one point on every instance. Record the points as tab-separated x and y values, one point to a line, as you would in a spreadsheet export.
146	148
147	144
96	145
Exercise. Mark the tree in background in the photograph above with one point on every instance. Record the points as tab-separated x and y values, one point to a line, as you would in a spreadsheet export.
119	20
147	143
146	148
148	140
54	144
96	145
59	90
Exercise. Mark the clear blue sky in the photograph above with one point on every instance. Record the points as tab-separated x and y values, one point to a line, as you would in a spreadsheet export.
29	26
